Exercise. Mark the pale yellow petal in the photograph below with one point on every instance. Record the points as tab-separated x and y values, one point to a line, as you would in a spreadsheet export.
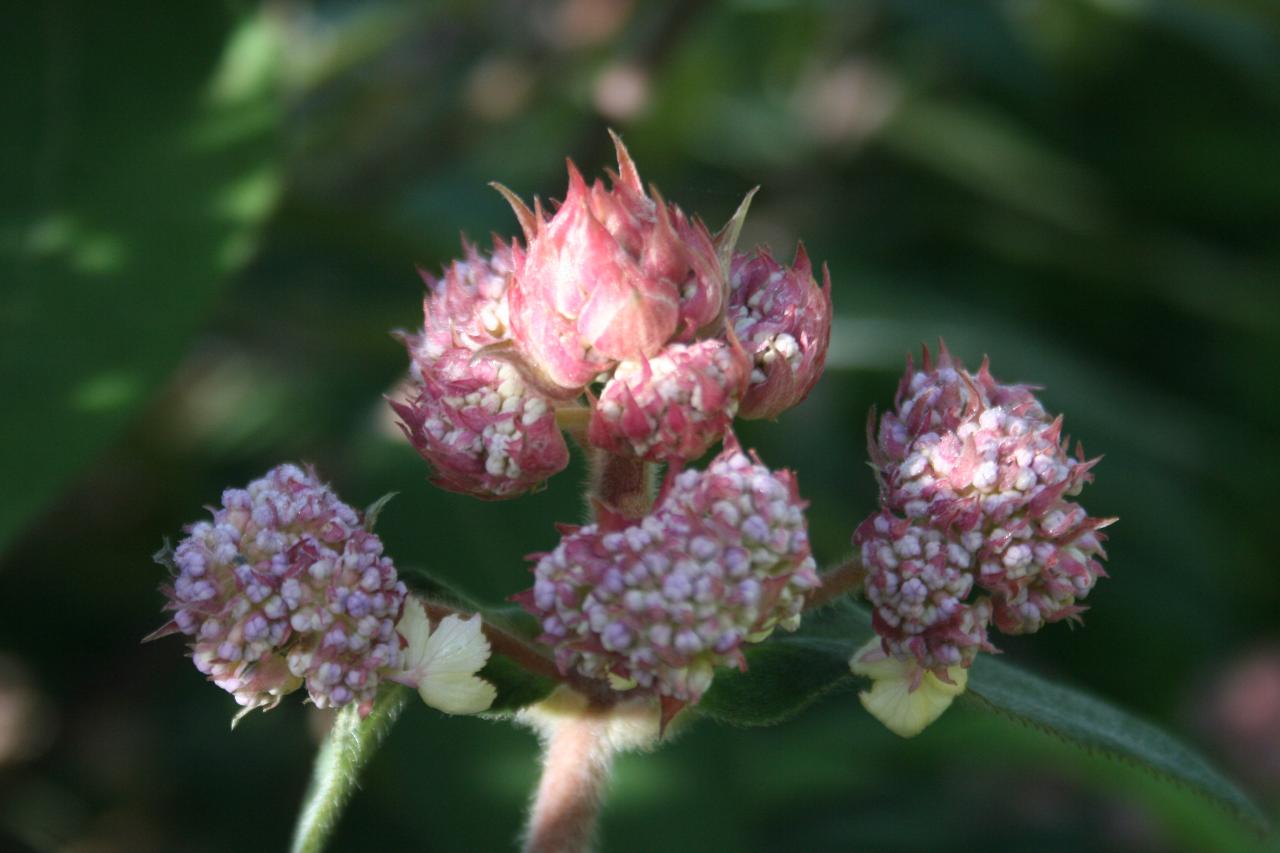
456	646
871	662
891	700
415	627
457	692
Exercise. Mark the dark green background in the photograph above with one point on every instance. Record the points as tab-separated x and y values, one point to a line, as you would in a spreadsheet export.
210	215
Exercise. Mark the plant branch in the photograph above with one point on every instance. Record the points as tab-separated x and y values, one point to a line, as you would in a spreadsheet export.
842	579
624	484
576	763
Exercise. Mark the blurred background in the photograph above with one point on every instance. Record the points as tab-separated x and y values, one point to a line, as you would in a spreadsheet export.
210	217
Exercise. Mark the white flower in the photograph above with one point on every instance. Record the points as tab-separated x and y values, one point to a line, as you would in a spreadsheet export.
442	664
903	696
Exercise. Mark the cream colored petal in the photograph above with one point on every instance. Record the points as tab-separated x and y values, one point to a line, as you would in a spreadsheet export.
871	662
456	646
415	627
891	700
457	692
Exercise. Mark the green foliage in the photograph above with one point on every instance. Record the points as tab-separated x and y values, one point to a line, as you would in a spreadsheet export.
788	672
157	164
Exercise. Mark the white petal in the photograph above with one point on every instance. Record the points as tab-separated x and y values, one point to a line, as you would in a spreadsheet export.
457	693
415	627
456	646
891	700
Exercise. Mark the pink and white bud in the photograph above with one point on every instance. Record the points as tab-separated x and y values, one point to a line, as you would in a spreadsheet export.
976	526
673	406
783	319
285	587
919	582
484	430
466	307
473	416
612	276
721	561
939	397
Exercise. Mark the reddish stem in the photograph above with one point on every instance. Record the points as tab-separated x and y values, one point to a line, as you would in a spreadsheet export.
624	484
844	578
576	762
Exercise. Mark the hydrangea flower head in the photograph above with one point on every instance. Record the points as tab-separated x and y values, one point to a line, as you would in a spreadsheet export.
657	604
286	587
976	525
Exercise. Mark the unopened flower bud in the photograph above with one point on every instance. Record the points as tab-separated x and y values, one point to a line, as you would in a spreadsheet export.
261	622
473	415
673	406
614	275
721	561
783	319
976	527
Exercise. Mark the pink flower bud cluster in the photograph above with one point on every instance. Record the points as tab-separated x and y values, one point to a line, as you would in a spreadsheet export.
720	562
784	320
621	303
485	431
976	526
286	587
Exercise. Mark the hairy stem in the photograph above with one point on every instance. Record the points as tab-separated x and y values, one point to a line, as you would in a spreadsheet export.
350	744
836	582
623	484
576	762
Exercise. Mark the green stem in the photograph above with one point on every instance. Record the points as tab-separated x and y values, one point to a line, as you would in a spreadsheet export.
348	747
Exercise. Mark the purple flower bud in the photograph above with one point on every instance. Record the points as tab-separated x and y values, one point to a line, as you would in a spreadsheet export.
975	526
260	653
677	614
783	319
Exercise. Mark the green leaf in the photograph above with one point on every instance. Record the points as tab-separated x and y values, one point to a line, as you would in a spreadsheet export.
1095	726
790	671
149	162
345	751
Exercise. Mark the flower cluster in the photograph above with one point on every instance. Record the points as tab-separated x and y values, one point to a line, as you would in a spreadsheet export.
486	431
620	307
285	587
721	561
975	527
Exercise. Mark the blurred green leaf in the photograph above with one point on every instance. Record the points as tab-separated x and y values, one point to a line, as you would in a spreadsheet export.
149	142
790	671
347	748
1093	725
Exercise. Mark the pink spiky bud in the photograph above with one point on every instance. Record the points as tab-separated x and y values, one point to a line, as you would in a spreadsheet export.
613	275
673	406
783	319
721	561
975	525
485	430
286	586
